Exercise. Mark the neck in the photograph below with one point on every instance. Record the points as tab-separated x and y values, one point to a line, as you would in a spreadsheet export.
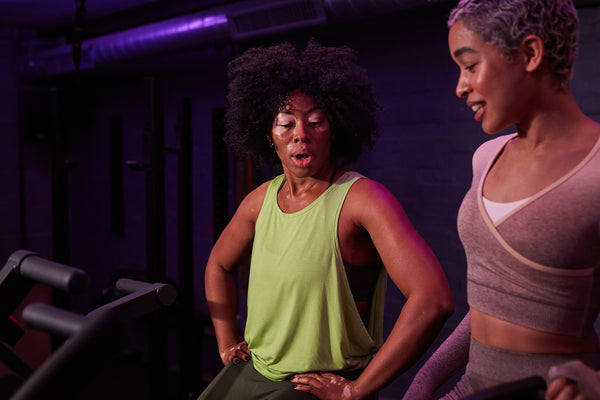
296	186
554	116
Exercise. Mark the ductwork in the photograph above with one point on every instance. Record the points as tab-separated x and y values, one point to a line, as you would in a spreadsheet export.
156	38
208	28
345	10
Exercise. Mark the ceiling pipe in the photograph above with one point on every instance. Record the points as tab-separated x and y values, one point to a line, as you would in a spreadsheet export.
220	25
191	30
345	10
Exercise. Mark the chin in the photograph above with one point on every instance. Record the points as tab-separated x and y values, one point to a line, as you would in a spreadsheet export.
492	130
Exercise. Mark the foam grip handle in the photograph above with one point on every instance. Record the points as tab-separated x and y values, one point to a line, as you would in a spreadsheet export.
59	276
532	388
127	286
53	320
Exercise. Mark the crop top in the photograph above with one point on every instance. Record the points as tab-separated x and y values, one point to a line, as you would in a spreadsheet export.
539	265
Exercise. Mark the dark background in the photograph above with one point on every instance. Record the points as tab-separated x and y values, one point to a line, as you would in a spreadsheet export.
118	168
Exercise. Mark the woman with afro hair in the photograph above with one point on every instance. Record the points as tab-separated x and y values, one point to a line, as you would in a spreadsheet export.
322	240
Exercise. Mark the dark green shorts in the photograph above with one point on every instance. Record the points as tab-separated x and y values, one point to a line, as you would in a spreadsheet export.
243	382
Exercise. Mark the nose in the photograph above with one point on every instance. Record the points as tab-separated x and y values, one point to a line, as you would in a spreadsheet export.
301	133
462	86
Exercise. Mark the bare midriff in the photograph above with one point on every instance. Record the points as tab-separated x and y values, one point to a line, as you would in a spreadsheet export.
501	334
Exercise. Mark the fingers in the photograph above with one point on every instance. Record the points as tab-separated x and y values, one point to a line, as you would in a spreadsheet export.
325	386
555	387
235	356
244	349
236	353
563	389
308	376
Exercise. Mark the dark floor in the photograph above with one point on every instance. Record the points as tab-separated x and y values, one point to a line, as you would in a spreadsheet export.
125	379
127	375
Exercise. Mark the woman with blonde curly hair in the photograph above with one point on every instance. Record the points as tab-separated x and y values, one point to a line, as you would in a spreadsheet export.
530	224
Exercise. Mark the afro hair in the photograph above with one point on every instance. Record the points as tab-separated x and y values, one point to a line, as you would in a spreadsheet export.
261	79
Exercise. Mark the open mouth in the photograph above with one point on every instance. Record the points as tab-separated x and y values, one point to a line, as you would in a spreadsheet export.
302	159
478	109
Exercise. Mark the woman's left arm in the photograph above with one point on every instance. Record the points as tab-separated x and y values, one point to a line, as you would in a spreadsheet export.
415	270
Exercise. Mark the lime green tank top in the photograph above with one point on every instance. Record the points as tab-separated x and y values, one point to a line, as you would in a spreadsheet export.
301	313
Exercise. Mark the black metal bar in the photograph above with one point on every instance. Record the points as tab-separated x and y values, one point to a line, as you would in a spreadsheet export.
22	269
154	162
117	206
94	340
185	200
530	388
154	149
60	182
220	173
143	298
61	245
22	116
71	366
19	367
190	350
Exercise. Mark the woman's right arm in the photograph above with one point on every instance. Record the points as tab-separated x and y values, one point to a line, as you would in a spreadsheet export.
232	247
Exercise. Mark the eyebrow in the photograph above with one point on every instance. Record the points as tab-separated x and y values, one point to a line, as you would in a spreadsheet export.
287	111
462	50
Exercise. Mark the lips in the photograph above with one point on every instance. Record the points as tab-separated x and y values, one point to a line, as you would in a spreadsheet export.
302	159
478	109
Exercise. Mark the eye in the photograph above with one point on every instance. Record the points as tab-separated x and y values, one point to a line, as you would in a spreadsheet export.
284	122
470	67
316	119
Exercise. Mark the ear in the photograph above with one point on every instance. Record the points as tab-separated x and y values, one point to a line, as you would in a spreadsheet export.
533	51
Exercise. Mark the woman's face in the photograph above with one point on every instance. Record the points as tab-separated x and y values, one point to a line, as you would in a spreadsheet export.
301	136
493	86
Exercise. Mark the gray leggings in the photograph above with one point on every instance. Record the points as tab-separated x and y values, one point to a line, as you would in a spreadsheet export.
243	382
489	367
